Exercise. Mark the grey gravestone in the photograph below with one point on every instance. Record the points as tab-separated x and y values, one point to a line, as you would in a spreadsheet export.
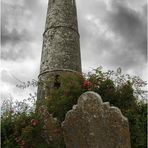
94	124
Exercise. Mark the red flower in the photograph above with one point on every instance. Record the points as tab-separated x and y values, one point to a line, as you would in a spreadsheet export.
33	122
86	84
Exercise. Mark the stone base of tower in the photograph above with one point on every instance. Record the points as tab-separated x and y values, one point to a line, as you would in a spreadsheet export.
51	80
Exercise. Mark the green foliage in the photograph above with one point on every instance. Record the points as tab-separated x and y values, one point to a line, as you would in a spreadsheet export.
127	93
23	127
18	131
63	98
25	130
138	125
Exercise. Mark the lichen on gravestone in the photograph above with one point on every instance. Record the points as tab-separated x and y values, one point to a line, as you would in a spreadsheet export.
94	124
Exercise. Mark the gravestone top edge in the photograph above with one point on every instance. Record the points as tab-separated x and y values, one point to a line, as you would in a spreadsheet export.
91	95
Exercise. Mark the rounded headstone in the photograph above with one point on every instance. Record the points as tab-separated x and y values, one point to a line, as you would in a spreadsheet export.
94	124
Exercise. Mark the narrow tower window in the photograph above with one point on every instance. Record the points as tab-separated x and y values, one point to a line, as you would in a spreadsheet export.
56	82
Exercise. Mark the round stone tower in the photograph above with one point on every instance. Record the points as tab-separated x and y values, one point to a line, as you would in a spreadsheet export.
61	47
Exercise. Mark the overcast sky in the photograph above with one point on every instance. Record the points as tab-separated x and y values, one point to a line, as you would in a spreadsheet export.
113	34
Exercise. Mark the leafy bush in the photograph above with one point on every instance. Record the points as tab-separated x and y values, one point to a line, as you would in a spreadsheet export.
24	126
128	94
61	100
26	129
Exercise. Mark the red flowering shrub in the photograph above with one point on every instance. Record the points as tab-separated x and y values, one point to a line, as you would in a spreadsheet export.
22	127
63	98
87	85
34	122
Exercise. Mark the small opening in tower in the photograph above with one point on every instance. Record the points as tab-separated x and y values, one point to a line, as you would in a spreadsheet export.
57	82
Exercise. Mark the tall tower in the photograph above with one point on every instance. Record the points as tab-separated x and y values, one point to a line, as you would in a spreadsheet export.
61	46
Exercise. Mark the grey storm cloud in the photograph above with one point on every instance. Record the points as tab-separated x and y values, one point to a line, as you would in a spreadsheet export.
130	25
19	28
32	5
22	24
13	36
127	45
10	16
8	78
112	34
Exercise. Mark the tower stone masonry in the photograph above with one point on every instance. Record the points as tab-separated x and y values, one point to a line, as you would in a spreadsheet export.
61	46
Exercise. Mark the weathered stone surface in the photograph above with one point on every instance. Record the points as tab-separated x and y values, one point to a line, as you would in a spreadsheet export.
61	13
48	80
94	124
61	50
61	47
